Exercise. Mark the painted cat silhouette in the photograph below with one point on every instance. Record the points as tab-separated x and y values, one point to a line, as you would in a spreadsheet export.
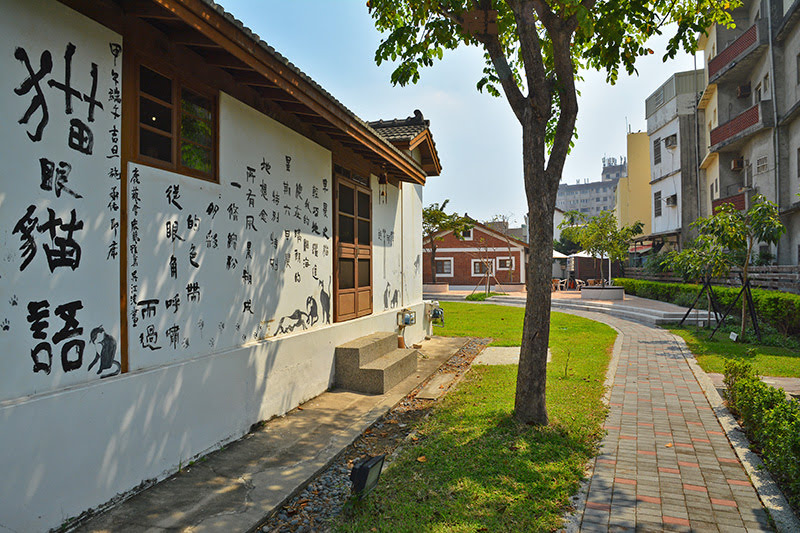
106	350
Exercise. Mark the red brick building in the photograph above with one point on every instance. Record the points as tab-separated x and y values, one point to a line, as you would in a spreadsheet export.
465	262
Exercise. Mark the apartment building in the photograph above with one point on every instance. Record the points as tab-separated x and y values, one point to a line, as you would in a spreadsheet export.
672	127
632	188
750	132
593	197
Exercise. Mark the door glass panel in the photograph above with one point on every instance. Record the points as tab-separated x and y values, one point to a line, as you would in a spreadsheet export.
155	84
155	115
346	199
347	273
363	272
363	205
153	145
346	229
363	232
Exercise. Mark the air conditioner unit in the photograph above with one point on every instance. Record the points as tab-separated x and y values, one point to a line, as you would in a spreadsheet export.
672	200
737	164
671	141
743	91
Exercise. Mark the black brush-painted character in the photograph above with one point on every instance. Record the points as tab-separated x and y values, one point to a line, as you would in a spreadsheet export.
106	349
288	323
386	293
395	298
311	307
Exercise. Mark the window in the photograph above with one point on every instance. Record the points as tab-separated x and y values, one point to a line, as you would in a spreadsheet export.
467	234
657	151
757	94
765	84
762	165
797	65
444	267
657	203
177	126
798	162
505	263
481	266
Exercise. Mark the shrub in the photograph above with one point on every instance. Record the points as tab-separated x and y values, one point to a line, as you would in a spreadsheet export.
778	309
770	420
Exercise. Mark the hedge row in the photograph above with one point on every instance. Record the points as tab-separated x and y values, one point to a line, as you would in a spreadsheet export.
770	421
779	309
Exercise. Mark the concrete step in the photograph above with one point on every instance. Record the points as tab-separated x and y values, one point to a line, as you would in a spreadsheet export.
385	372
628	311
639	314
373	364
364	350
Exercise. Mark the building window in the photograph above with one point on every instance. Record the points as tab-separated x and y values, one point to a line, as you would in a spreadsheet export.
657	151
480	267
657	203
505	263
757	94
444	267
765	84
466	235
798	162
797	64
761	165
177	126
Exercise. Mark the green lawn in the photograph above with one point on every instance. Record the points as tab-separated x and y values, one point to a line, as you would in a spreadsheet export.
710	354
502	323
473	468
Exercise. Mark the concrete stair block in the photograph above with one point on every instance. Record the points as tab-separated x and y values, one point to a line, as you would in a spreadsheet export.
373	364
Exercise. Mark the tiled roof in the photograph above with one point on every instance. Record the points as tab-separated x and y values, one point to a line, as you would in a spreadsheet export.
270	50
401	129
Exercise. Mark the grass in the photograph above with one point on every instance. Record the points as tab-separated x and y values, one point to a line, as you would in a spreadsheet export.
473	467
502	323
481	296
711	354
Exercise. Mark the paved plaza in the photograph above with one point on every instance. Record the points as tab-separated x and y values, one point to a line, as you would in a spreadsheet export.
666	462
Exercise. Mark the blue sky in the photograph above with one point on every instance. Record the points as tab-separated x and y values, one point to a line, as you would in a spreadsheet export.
477	136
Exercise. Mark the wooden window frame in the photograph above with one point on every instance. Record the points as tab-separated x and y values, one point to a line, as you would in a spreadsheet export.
180	82
448	260
489	263
510	258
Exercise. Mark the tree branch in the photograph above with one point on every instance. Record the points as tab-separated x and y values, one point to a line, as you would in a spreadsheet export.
530	45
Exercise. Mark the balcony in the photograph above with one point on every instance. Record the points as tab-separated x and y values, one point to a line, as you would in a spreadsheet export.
748	122
733	61
737	200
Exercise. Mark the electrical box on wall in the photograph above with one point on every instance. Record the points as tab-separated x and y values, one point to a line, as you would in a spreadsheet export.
406	318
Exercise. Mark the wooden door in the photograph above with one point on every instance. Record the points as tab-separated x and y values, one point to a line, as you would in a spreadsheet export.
353	241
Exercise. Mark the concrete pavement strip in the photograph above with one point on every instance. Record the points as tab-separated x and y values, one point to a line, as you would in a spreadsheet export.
236	487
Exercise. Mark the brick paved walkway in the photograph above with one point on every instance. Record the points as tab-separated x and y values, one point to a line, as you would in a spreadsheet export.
665	463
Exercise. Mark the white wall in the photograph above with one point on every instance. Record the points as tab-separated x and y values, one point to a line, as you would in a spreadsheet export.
73	287
71	441
289	262
387	242
670	218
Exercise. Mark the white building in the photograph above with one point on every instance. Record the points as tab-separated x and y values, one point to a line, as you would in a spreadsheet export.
671	126
189	227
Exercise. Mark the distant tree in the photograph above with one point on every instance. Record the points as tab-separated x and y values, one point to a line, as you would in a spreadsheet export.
599	235
566	246
734	234
436	221
501	223
532	50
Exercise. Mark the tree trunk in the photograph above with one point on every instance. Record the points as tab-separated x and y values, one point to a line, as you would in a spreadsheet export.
433	261
530	402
